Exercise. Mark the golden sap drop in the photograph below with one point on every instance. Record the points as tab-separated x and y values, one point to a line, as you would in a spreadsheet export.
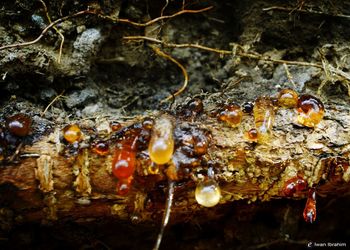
310	111
208	193
287	98
161	145
264	117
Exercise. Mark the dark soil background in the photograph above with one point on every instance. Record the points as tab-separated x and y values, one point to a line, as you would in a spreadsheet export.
103	75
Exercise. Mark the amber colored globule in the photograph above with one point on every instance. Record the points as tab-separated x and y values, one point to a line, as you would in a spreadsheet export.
208	193
252	134
309	213
123	164
231	114
100	148
19	124
294	185
124	185
263	112
147	123
201	147
287	98
310	111
115	126
72	133
161	145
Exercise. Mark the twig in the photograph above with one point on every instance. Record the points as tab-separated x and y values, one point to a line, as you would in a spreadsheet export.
304	11
289	75
58	32
223	52
13	156
52	102
60	20
181	12
166	214
174	45
184	72
164	7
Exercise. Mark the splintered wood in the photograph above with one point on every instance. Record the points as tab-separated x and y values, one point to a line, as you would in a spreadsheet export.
54	178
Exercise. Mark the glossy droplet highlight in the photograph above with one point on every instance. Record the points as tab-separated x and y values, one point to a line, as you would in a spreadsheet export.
161	145
100	148
264	117
123	165
231	114
72	133
294	185
124	186
287	98
309	213
115	126
19	124
310	111
147	123
208	193
252	134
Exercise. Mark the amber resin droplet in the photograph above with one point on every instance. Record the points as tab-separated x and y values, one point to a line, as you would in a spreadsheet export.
293	185
147	123
200	145
208	193
72	133
310	111
19	124
124	185
252	134
231	114
287	98
100	148
115	126
123	165
161	145
264	117
309	213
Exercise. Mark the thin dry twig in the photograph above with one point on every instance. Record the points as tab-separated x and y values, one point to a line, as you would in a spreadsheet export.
18	149
60	20
181	12
164	7
291	10
174	45
50	104
223	52
184	72
58	32
289	75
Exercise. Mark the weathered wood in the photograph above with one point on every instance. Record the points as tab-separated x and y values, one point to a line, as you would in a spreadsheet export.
49	182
